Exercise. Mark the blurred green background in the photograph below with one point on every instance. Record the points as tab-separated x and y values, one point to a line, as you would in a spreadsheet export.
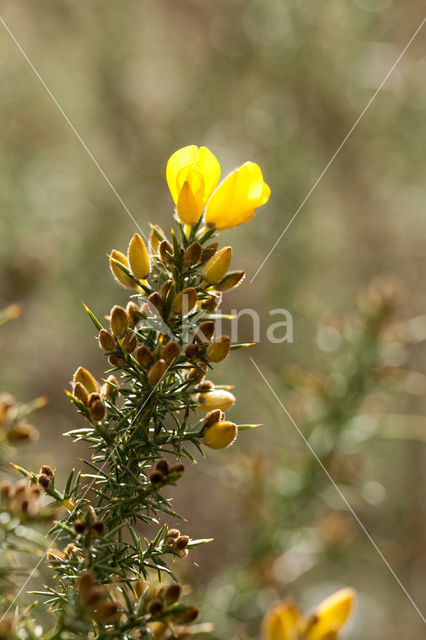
279	83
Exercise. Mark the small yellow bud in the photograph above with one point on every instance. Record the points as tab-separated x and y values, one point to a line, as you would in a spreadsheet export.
218	265
218	349
231	281
185	301
216	399
138	258
86	379
220	435
120	276
157	372
119	321
187	207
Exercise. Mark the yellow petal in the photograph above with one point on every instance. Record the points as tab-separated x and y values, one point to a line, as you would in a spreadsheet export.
282	622
220	435
180	159
331	614
197	166
187	208
216	399
238	197
218	265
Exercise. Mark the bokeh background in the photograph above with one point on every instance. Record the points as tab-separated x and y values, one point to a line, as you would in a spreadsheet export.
279	82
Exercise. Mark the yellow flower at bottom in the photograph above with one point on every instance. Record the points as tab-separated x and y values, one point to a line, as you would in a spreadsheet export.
238	197
331	614
192	175
220	435
284	621
216	399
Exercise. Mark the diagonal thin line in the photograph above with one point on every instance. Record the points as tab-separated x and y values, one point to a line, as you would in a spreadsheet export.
339	491
77	135
339	148
82	498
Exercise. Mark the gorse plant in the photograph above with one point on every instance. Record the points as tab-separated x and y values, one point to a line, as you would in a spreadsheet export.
154	409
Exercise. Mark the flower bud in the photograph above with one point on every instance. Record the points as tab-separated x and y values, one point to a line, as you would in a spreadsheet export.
191	351
216	415
218	265
106	341
133	313
164	250
98	527
44	480
109	388
209	251
231	281
172	594
138	258
218	349
182	542
157	372
185	301
96	407
155	302
22	432
154	239
212	302
120	276
163	466
192	254
86	379
205	332
156	478
107	610
178	469
130	342
216	399
144	356
188	616
220	435
170	351
119	322
187	207
196	374
165	288
47	470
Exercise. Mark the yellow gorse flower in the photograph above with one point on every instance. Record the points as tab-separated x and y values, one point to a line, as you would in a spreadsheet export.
285	621
238	197
192	175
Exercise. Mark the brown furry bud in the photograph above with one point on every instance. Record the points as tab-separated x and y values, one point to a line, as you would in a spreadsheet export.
80	392
155	607
79	526
119	322
205	332
182	542
133	313
173	533
185	301
155	301
219	349
144	356
98	527
156	478
209	251
163	466
212	417
85	582
191	351
164	249
115	361
44	480
130	342
165	288
157	372
96	407
206	385
192	254
172	594
47	470
6	490
106	340
196	374
177	468
188	616
21	433
170	352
